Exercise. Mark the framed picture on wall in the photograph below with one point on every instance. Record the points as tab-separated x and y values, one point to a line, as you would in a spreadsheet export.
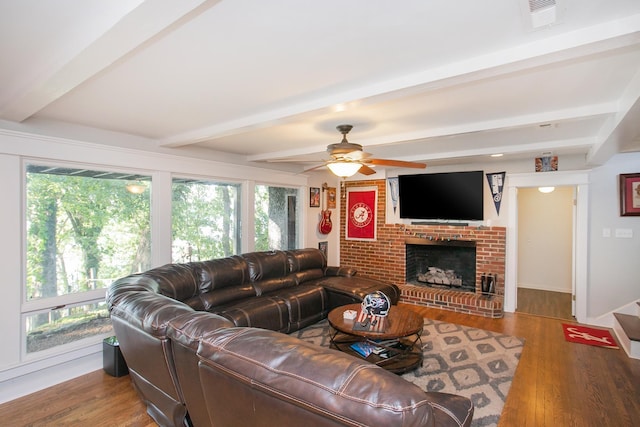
331	197
546	163
630	194
314	197
324	247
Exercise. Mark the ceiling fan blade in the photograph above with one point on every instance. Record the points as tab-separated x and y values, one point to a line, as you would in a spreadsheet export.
356	155
396	163
296	160
314	168
366	170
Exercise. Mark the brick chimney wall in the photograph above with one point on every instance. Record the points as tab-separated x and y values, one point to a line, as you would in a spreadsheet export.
384	259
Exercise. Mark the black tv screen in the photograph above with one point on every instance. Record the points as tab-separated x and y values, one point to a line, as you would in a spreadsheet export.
442	196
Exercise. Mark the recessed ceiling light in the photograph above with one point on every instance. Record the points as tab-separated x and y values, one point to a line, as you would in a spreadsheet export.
497	155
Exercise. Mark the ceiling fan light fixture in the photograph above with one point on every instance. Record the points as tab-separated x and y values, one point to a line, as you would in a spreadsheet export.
344	169
136	187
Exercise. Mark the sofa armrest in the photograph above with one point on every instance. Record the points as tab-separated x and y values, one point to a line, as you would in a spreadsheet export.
340	271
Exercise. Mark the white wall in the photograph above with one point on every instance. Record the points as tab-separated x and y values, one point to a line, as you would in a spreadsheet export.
545	239
614	263
312	218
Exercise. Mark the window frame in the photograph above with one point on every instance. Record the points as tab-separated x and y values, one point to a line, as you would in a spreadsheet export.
30	307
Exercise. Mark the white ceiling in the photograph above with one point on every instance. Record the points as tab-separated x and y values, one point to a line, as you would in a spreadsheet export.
255	81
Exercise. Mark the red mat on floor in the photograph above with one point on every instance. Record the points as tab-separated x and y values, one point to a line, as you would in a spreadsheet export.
590	336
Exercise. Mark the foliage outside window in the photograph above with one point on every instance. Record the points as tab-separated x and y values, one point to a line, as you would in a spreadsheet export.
84	229
51	328
205	220
276	218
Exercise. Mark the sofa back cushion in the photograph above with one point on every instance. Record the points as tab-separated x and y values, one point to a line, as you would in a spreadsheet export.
221	281
306	259
306	264
266	265
263	287
285	380
210	300
307	275
178	281
221	273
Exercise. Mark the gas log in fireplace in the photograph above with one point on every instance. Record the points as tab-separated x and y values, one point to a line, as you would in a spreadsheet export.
441	263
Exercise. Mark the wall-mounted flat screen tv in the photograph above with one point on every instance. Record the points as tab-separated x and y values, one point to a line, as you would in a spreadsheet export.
442	196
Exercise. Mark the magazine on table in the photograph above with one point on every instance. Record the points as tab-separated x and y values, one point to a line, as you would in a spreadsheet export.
365	348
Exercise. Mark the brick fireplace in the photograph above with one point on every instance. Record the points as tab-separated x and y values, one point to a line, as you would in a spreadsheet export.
385	258
448	264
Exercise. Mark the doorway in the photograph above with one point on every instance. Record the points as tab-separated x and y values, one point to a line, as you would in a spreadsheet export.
580	181
545	251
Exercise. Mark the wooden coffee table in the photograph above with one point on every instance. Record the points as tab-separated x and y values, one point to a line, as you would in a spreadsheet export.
399	347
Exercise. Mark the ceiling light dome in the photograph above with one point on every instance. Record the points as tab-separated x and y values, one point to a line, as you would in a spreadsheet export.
344	169
546	189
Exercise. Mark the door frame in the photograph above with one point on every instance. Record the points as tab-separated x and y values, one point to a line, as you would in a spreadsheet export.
578	179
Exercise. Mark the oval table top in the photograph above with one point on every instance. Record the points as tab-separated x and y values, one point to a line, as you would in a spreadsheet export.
400	322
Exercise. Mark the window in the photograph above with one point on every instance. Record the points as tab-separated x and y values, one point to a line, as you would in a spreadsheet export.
276	218
47	329
84	229
205	220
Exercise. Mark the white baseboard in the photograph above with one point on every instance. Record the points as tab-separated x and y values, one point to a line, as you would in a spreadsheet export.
544	288
27	383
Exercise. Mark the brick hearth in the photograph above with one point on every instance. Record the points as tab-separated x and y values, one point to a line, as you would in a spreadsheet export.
384	258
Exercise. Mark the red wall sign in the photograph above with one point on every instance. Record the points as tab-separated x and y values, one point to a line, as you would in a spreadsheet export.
361	213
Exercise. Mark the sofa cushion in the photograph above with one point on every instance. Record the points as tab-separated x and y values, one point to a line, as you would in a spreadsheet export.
210	300
258	312
266	265
281	378
148	311
178	281
307	275
306	304
222	273
266	286
306	259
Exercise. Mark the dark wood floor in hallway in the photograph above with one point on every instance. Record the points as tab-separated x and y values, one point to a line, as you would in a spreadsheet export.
545	303
557	384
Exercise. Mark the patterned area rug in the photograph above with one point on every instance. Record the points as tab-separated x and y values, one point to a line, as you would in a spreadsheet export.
470	362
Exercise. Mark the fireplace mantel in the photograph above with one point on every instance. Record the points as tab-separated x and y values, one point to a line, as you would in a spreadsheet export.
440	242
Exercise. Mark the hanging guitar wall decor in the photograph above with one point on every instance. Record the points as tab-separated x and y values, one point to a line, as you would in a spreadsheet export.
325	215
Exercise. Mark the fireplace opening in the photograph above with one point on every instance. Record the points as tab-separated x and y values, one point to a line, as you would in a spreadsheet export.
450	265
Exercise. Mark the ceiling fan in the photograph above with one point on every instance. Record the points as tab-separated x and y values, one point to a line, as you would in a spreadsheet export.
348	158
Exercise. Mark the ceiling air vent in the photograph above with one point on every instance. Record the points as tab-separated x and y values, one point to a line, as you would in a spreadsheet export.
542	13
536	5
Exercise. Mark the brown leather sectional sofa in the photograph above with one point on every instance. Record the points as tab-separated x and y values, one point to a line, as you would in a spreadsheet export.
206	344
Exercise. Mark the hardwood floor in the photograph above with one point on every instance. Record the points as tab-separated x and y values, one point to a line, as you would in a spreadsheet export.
556	384
545	303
